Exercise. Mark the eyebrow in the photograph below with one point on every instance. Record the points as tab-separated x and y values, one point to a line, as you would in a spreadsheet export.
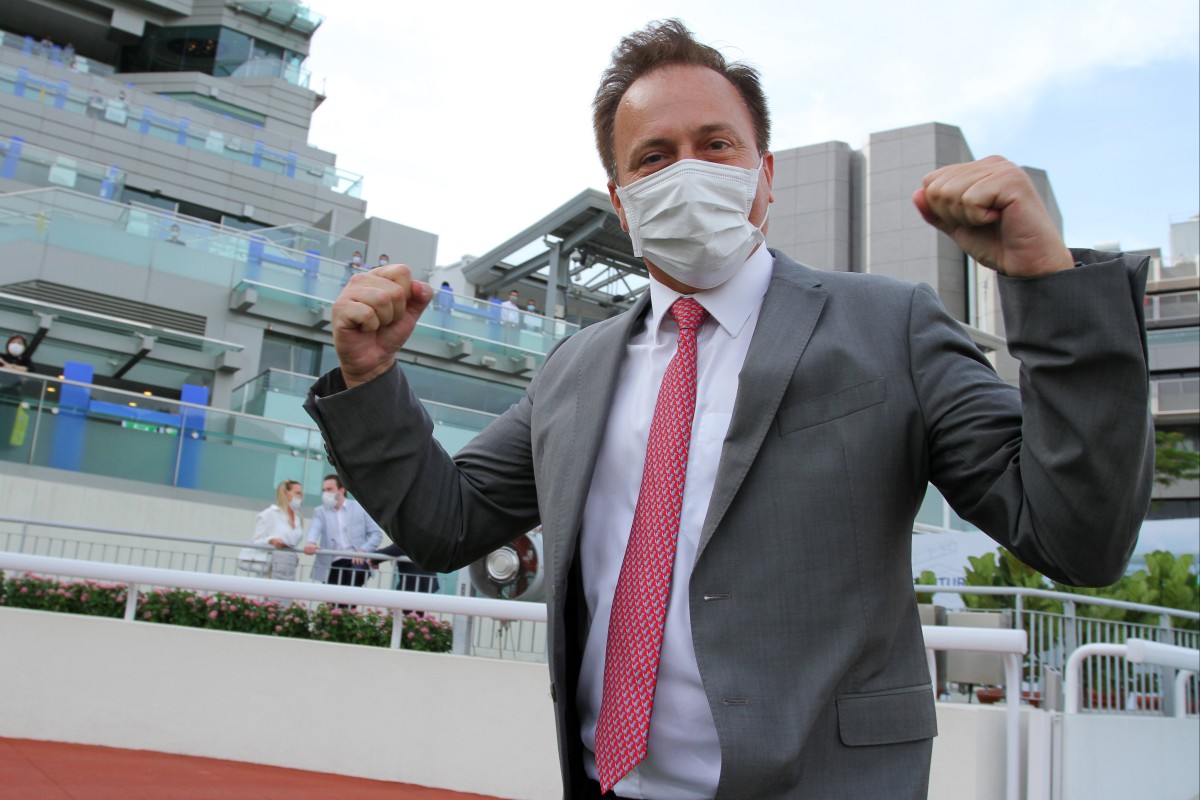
662	141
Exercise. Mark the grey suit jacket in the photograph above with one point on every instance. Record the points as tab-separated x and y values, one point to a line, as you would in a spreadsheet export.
856	392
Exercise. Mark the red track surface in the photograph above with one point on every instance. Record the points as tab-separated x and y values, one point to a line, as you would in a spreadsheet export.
32	770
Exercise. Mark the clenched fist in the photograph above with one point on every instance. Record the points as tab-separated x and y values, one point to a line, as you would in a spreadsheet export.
373	318
992	211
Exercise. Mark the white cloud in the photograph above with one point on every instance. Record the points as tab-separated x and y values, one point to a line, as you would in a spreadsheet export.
472	119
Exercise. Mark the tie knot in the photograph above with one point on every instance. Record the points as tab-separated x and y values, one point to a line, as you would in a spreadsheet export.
688	313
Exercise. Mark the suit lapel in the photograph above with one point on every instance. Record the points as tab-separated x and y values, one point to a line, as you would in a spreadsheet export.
786	321
596	369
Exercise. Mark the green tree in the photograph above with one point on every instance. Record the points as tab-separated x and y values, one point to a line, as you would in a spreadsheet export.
1173	463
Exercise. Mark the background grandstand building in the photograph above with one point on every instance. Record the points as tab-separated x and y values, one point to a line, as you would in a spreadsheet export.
172	245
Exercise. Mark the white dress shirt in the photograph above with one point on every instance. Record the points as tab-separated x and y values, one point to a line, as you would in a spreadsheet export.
683	758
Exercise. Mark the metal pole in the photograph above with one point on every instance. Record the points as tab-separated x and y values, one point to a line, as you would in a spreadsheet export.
131	598
397	628
37	423
556	278
212	550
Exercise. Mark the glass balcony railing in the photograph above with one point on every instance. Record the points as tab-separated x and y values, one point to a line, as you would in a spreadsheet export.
50	422
37	166
291	15
1174	307
1174	349
132	114
54	53
266	278
1175	395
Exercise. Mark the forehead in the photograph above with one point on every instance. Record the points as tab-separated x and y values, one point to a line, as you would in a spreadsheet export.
675	98
329	483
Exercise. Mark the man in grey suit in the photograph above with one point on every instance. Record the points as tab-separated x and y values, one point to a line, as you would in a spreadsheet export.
791	660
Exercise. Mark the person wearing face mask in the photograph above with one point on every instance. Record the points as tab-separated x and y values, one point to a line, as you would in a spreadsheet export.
340	524
510	316
354	266
281	526
16	354
533	321
728	473
383	261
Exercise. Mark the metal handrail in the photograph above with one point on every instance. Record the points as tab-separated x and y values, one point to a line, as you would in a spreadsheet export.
1137	651
212	542
1011	645
1050	594
396	601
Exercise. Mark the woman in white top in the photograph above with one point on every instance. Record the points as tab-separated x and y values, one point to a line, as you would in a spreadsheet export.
280	525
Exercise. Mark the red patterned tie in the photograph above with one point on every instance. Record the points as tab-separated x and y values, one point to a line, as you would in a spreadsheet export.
639	608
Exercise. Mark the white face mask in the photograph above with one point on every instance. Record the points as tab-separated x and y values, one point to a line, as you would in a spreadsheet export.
295	504
383	262
329	499
17	349
692	220
355	260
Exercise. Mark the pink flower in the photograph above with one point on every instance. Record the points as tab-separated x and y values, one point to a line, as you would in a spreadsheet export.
337	612
212	614
146	615
410	635
278	628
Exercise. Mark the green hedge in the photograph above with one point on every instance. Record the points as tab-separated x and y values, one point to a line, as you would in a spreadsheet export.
225	612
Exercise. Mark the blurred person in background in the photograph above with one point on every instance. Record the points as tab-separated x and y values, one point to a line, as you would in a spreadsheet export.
281	526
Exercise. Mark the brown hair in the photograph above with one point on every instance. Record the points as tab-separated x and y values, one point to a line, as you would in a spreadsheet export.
333	476
661	44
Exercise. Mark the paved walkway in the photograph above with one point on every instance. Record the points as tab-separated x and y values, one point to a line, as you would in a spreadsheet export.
32	770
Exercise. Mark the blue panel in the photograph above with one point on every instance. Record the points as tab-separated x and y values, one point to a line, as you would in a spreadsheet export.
12	157
66	451
191	435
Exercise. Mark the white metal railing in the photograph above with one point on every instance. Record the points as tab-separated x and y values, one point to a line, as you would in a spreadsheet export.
1137	651
394	601
173	556
1011	645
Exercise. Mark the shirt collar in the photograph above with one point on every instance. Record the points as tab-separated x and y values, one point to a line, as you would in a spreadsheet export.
731	304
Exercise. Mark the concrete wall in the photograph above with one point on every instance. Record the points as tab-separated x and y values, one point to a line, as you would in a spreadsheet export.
453	722
811	218
75	497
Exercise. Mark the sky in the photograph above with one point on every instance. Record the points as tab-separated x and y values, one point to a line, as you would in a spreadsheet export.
472	120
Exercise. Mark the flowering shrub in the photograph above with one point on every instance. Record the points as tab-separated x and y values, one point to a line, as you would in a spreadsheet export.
225	612
369	626
78	597
426	633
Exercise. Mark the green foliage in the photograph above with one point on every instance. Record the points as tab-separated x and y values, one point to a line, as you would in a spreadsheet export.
926	578
226	612
1167	581
1171	462
1009	571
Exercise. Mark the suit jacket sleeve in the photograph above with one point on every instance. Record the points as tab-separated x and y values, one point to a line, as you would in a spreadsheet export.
445	512
1065	483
